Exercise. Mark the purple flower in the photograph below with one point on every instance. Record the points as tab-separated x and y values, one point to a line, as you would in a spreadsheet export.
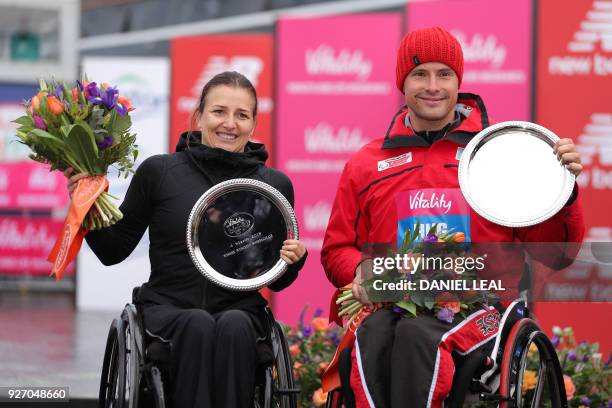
585	401
39	122
446	315
585	358
334	337
122	110
92	89
431	238
318	312
59	92
398	310
106	97
555	340
571	355
307	331
105	143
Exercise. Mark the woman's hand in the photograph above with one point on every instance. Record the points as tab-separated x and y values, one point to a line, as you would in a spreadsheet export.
292	251
73	179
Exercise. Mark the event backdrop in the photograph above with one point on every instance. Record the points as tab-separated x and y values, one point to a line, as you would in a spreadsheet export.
195	60
574	72
145	81
336	91
496	41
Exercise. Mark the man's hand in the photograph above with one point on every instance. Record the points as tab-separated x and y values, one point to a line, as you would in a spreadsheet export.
359	291
568	155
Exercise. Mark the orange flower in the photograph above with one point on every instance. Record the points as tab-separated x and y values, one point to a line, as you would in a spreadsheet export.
322	367
530	380
294	350
570	388
36	100
319	398
320	324
449	300
104	85
54	105
458	237
296	370
125	102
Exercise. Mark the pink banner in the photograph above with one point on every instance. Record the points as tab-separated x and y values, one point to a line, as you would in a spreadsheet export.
335	93
30	185
25	244
496	41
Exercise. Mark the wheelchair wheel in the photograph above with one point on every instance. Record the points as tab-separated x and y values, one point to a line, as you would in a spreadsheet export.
281	393
524	333
121	371
133	357
112	383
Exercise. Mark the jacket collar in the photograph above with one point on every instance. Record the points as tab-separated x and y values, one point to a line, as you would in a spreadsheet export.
472	118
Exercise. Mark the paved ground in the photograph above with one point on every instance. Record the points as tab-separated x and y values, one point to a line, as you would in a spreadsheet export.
45	342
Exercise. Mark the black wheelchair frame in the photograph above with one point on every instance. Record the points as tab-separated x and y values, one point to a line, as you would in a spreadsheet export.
495	375
135	367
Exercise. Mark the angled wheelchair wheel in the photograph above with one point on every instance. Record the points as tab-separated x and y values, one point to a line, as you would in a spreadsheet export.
112	382
280	389
121	368
549	388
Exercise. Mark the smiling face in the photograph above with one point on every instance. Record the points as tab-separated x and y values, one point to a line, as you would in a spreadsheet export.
227	119
431	90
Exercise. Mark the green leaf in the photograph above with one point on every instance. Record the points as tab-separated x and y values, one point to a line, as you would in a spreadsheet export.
81	142
409	306
429	302
415	233
25	120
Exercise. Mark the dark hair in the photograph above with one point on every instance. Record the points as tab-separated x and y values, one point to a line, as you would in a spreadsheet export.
229	78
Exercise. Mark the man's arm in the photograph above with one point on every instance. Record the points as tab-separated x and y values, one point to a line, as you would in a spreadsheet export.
567	226
340	254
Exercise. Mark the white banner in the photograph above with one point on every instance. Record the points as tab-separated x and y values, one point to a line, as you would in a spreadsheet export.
146	82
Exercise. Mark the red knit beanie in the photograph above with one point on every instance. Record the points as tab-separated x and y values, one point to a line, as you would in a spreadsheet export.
432	44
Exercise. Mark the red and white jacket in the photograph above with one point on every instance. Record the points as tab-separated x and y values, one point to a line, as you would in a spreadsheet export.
392	182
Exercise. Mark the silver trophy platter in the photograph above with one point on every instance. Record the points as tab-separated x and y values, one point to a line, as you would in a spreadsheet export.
509	174
235	232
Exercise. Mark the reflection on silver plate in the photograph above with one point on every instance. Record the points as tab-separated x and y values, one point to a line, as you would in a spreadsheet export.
509	174
235	232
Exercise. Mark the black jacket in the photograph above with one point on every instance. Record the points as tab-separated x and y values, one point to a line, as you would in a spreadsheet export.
160	197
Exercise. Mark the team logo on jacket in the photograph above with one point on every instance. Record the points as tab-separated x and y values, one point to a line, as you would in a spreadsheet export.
394	161
238	224
444	207
489	323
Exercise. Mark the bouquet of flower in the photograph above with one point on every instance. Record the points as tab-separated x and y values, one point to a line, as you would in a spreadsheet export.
445	304
312	346
85	127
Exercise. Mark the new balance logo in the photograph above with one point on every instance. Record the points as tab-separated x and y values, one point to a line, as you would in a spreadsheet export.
590	46
595	147
596	28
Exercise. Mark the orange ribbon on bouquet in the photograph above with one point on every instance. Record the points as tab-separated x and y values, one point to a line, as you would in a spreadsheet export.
71	237
331	377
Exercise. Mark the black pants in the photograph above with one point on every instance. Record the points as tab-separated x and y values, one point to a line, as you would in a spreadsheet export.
214	357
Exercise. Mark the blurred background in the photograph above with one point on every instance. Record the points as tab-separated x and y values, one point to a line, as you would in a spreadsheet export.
325	77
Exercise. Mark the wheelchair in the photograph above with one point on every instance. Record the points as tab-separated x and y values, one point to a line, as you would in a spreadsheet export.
492	374
136	366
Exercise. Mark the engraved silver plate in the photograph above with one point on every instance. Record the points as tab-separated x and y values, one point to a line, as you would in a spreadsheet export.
235	232
509	174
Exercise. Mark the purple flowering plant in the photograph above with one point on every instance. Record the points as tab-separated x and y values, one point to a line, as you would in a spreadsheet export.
311	345
83	126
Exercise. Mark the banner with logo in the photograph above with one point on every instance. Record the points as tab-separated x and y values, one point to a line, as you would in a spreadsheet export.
335	93
195	60
574	71
25	243
496	41
146	82
28	185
